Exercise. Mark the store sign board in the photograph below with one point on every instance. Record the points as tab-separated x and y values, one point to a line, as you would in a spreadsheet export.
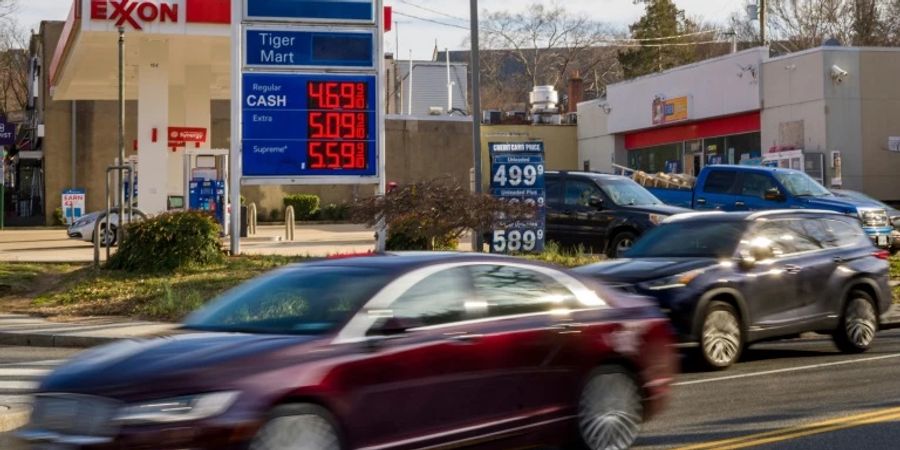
346	11
7	133
517	175
73	201
309	48
670	110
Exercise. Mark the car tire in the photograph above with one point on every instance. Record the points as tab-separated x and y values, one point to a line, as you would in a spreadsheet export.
610	410
858	325
298	427
721	336
620	243
103	236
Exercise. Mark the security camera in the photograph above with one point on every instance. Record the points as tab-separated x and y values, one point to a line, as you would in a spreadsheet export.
838	75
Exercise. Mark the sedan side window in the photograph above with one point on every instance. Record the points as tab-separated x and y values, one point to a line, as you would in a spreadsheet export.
786	237
509	291
436	300
844	234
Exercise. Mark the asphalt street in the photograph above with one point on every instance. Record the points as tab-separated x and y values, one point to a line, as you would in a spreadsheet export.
798	394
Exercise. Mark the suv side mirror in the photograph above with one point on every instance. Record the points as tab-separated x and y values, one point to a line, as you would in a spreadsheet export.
774	195
595	202
394	326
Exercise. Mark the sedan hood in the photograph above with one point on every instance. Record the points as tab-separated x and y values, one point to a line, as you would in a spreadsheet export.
127	365
633	271
660	209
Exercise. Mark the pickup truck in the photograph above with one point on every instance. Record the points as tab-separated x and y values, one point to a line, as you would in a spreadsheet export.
749	188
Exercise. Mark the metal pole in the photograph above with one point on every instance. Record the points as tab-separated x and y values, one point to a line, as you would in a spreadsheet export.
74	145
449	83
382	228
120	192
409	109
476	110
234	159
762	22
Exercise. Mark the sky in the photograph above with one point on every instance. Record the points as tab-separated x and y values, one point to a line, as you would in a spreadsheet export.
419	35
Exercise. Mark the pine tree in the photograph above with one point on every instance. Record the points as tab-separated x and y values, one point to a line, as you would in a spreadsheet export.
662	19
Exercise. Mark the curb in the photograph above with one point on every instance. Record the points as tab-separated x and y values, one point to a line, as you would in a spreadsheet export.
13	416
54	341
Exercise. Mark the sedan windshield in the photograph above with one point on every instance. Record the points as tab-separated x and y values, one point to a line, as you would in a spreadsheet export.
305	300
689	240
800	184
628	193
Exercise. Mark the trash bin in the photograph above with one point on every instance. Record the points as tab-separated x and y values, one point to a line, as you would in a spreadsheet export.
244	221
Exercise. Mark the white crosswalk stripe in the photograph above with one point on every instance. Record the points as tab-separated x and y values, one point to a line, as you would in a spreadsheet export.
19	380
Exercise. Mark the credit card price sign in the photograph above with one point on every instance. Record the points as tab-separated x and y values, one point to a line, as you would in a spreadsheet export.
517	176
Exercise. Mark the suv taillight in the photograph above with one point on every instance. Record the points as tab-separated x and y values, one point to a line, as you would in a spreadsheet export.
882	254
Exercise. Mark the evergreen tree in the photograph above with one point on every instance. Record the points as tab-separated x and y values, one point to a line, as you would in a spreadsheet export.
662	19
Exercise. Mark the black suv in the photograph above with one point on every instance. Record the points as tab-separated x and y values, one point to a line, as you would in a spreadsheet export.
730	279
603	213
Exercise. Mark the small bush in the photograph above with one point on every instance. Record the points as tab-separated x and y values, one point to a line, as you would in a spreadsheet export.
275	215
335	213
401	239
554	254
305	206
58	218
169	242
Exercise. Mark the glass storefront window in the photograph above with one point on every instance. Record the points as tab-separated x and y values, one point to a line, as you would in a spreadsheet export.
663	158
691	156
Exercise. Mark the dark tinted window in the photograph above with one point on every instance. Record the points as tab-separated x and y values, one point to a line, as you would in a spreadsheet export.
509	291
625	192
554	189
755	185
719	181
436	300
313	300
786	237
689	240
579	192
845	234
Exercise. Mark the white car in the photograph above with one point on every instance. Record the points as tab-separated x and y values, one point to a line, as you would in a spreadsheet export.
83	228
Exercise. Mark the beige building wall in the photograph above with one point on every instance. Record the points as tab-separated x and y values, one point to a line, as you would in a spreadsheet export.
560	144
880	114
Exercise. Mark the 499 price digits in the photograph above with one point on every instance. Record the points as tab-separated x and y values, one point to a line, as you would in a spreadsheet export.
517	175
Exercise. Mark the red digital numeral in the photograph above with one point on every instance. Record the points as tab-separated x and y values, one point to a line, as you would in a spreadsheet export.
337	95
338	125
336	155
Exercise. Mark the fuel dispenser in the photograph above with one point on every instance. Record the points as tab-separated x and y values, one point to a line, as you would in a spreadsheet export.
206	183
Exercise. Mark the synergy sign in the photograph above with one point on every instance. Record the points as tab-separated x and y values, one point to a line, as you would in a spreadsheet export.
310	97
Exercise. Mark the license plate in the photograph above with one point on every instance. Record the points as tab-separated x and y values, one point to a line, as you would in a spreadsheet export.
882	241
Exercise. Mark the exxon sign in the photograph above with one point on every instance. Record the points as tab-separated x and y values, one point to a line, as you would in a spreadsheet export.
134	13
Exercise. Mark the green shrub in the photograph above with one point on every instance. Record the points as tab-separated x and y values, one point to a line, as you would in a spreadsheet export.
275	215
335	213
58	218
554	254
305	206
401	238
169	242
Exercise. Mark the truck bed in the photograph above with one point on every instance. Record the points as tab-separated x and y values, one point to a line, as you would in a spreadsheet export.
674	197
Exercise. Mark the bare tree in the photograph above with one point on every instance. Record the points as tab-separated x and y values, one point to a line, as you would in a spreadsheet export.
800	24
13	60
545	45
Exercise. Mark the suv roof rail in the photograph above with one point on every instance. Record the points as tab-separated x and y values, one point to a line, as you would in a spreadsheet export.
784	212
692	215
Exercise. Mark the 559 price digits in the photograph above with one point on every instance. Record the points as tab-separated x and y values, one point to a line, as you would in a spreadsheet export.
517	175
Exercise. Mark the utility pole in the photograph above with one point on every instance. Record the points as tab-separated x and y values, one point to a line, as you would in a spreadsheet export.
762	22
476	110
120	191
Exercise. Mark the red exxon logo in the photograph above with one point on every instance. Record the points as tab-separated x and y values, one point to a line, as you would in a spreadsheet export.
134	13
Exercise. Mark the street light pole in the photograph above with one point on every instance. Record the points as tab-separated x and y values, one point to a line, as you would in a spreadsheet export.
476	110
120	191
762	22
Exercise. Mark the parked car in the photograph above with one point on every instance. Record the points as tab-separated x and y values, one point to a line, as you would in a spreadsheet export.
731	279
84	228
751	188
403	351
892	212
605	213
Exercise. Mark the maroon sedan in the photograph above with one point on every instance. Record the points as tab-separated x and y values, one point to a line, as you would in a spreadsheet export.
386	352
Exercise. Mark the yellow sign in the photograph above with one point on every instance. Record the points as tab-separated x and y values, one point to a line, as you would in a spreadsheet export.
670	110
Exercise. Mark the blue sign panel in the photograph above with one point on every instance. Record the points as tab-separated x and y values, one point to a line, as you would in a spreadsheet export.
312	10
7	133
298	125
517	175
299	49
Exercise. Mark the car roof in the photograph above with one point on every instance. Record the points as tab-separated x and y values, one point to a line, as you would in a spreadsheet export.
741	216
405	261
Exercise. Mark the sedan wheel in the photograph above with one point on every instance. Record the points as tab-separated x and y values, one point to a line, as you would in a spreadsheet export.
610	411
298	427
721	342
858	324
108	236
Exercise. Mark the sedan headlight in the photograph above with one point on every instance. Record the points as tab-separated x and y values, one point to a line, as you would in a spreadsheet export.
676	281
657	219
179	409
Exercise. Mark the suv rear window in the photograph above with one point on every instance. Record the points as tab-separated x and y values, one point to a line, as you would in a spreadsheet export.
720	181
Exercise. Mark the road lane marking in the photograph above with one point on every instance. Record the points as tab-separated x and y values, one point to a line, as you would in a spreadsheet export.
799	431
787	370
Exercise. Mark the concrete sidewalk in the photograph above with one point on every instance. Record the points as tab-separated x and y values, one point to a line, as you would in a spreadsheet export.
16	329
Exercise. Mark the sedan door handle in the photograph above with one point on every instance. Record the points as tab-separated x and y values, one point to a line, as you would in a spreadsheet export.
740	204
701	201
792	269
463	338
568	328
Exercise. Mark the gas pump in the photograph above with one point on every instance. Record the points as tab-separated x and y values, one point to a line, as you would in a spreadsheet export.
206	183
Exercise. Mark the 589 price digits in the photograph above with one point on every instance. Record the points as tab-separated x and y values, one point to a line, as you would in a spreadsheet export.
516	240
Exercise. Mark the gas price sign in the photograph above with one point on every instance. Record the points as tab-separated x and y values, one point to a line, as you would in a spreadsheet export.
517	175
309	125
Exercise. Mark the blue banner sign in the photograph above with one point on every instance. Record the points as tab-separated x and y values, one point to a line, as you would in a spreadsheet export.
311	10
297	125
269	48
7	133
517	176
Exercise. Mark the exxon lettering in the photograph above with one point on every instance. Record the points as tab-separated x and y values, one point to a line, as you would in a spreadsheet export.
133	12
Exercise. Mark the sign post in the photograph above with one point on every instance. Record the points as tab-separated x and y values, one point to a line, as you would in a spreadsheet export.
308	101
517	175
